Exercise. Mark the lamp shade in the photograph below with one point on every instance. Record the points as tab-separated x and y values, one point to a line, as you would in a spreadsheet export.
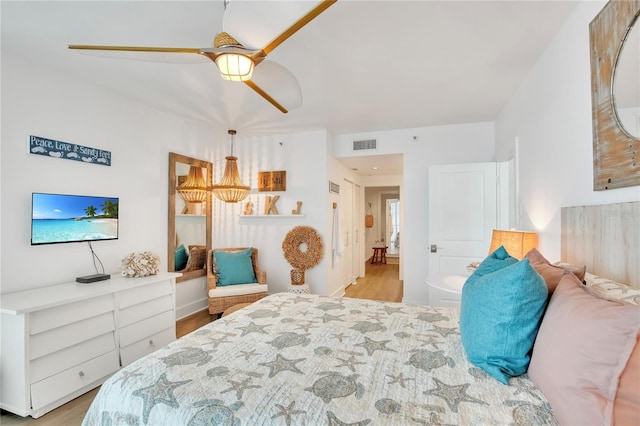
516	243
235	67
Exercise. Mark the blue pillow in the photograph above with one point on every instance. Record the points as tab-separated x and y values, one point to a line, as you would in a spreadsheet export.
234	267
180	258
495	261
500	313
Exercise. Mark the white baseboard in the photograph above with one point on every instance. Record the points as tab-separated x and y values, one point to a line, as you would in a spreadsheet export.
191	308
414	302
338	293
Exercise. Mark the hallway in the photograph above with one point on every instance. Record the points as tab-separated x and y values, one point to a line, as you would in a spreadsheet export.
380	283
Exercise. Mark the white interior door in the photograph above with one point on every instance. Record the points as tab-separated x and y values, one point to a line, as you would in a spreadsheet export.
462	215
358	231
347	233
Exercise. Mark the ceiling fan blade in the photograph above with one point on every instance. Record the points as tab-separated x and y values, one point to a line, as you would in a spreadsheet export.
266	96
304	20
259	24
149	54
277	85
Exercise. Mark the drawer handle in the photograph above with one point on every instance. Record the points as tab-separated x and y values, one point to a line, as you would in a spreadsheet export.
81	373
150	342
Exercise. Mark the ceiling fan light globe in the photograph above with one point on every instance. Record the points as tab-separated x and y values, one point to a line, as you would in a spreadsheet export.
235	67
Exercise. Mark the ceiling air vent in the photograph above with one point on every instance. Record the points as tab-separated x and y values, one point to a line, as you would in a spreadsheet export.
364	144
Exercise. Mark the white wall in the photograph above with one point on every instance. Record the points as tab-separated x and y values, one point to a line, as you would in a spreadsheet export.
464	143
39	101
304	157
550	117
42	102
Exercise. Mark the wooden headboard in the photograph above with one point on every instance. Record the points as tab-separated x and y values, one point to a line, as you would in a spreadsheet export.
606	238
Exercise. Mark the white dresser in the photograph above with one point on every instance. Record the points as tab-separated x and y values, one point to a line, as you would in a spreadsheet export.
61	341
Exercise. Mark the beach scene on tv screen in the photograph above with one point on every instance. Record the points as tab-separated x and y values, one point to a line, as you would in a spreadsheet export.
66	218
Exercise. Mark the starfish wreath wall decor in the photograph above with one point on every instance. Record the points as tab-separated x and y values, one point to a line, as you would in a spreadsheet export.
303	249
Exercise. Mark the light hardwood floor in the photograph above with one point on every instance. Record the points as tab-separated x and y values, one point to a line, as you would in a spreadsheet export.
380	283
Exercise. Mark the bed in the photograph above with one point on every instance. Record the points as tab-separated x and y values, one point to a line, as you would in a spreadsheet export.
291	359
303	359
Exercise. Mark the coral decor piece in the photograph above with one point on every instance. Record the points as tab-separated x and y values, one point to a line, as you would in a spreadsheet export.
140	264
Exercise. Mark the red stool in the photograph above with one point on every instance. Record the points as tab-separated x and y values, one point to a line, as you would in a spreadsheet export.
379	255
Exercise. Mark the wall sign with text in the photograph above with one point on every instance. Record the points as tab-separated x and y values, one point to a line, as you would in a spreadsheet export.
68	151
272	181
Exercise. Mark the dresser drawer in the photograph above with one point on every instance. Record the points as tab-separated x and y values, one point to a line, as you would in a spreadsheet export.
147	327
147	345
55	387
136	313
51	318
54	340
48	365
141	294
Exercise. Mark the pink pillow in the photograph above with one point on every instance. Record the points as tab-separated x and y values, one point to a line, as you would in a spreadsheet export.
626	407
582	347
552	273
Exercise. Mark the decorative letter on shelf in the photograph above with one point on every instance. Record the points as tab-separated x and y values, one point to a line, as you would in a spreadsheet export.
298	208
248	208
270	205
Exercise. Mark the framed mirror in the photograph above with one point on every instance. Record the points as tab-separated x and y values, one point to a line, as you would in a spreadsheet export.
189	219
626	82
615	95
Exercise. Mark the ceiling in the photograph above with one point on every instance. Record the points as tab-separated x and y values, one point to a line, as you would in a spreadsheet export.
362	65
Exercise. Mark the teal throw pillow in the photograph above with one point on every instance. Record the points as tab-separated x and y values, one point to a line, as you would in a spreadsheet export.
501	310
497	260
180	258
234	267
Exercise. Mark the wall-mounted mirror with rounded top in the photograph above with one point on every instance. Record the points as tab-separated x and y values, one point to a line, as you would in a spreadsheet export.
615	95
626	82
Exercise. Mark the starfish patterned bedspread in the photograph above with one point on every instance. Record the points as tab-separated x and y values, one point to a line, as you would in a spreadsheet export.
308	360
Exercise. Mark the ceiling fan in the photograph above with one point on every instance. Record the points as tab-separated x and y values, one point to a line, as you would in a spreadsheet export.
238	62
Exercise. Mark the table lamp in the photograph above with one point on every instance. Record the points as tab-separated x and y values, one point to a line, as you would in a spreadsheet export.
517	243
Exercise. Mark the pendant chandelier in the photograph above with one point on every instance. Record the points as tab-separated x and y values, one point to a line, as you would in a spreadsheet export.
230	189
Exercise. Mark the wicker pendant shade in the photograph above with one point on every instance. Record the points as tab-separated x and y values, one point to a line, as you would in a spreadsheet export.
230	189
516	243
194	188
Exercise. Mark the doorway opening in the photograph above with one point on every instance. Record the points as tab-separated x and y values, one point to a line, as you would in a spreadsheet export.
379	176
386	229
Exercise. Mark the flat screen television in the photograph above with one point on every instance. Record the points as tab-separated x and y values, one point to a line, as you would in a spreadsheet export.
60	218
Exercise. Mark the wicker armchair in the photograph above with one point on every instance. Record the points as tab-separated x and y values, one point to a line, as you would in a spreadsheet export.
223	297
197	258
